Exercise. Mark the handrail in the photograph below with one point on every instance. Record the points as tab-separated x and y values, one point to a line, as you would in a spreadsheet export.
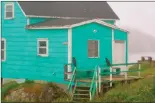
119	64
93	86
72	79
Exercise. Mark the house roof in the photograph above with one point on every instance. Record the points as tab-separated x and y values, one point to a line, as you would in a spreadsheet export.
68	23
57	22
71	9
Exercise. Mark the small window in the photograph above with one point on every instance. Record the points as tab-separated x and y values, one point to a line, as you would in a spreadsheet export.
93	48
43	47
3	49
9	11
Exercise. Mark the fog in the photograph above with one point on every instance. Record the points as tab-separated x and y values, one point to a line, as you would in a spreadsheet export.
139	15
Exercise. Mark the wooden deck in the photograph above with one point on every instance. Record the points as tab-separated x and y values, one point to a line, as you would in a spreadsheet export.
114	79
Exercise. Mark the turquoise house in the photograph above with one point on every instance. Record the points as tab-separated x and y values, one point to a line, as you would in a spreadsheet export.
39	38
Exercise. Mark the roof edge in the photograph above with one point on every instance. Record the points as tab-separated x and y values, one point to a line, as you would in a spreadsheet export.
37	16
77	24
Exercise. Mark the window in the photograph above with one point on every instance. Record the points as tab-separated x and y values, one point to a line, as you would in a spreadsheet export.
93	48
9	11
43	47
3	49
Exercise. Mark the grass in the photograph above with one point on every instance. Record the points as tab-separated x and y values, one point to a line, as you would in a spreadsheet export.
140	91
146	70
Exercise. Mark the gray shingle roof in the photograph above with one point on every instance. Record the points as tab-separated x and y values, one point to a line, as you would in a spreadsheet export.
57	22
78	9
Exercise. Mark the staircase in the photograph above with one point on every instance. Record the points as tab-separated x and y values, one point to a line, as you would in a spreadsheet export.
83	91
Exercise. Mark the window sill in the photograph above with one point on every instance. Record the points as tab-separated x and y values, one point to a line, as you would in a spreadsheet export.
93	57
43	55
3	60
8	18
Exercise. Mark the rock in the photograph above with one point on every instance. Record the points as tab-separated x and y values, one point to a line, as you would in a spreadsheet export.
48	93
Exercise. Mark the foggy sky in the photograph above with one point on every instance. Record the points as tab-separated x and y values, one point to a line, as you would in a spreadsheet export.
139	15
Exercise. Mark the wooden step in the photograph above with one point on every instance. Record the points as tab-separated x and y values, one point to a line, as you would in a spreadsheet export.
81	91
82	88
82	94
80	99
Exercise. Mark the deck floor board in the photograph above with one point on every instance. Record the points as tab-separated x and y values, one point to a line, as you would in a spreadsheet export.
114	79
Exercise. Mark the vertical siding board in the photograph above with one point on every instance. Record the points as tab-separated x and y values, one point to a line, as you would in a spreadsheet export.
22	60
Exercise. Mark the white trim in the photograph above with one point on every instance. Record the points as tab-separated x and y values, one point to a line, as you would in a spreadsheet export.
39	16
7	4
99	22
109	19
47	47
3	39
69	51
113	35
28	21
47	27
98	41
21	9
79	24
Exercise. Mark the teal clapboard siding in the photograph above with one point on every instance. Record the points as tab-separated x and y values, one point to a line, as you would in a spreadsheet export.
22	60
80	37
121	35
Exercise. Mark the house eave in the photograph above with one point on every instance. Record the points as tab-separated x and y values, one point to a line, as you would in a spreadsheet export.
76	25
58	17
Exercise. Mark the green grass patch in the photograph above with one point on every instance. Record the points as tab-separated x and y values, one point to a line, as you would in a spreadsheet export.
146	70
141	91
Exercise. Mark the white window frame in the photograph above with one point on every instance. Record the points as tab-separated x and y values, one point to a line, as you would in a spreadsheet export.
4	49
98	48
46	40
8	4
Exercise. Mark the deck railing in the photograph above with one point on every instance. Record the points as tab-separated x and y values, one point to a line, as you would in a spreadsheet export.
111	73
93	87
72	80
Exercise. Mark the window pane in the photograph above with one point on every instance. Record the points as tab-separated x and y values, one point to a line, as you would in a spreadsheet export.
2	44
9	14
42	50
96	49
2	55
93	48
9	8
42	43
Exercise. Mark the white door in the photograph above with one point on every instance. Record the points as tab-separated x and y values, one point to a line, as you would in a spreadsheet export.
119	53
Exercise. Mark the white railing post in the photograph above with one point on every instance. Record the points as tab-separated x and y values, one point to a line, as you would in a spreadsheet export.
99	78
69	70
90	95
139	67
110	76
